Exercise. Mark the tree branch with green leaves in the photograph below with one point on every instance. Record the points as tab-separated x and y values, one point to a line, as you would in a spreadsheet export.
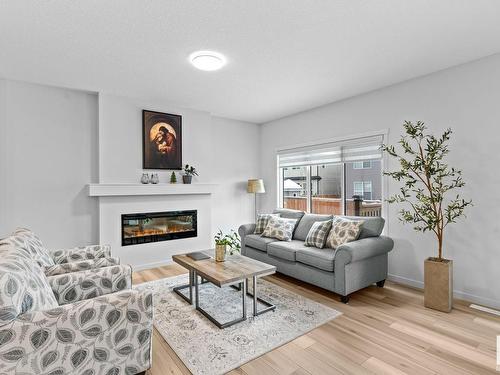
428	183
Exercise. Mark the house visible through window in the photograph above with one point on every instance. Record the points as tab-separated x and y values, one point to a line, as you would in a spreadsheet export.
362	164
324	179
363	189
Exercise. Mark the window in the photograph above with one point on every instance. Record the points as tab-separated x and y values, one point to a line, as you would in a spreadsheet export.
363	189
294	188
325	179
362	164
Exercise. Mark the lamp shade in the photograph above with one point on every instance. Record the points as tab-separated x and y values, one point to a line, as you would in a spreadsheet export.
256	186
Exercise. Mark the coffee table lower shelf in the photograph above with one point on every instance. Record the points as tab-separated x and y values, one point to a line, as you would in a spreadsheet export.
242	286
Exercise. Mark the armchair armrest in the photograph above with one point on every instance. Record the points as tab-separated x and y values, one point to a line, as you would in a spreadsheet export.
102	334
362	249
83	265
246	229
78	286
81	253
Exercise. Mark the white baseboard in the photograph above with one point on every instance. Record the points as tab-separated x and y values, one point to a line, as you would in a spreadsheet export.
147	266
456	293
485	309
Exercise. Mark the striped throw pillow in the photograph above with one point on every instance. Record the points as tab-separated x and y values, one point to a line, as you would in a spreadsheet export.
262	220
318	234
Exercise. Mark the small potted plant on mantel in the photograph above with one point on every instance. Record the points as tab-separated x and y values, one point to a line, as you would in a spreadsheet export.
225	241
189	172
427	185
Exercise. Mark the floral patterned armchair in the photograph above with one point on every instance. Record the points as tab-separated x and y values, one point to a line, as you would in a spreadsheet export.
86	322
56	262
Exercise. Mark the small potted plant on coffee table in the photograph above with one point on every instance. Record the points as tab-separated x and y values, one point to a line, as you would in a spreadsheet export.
223	242
189	172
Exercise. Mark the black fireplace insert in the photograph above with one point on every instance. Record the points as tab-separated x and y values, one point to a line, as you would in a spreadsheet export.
158	226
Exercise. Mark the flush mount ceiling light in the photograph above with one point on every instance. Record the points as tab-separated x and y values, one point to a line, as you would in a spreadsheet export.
207	60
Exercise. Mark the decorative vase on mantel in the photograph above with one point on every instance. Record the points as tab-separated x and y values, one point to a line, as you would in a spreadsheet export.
220	253
187	179
145	179
154	179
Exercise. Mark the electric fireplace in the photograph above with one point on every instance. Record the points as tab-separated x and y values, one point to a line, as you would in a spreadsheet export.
158	226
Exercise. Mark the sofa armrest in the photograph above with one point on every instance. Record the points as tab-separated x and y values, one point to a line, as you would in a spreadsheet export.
362	249
78	286
83	265
96	336
246	229
80	253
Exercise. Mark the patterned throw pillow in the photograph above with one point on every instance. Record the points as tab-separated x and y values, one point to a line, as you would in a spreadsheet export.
280	228
318	233
23	285
34	245
262	220
343	231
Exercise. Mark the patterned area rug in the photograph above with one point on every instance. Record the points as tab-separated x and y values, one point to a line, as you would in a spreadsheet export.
206	349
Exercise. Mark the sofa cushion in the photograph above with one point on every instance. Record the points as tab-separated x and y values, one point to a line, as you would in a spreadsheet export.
343	231
285	250
280	228
372	226
261	223
258	242
319	258
289	214
318	234
305	224
23	285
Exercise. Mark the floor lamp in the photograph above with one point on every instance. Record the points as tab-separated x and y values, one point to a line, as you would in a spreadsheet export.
256	186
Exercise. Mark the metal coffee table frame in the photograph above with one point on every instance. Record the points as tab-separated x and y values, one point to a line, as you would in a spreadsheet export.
242	286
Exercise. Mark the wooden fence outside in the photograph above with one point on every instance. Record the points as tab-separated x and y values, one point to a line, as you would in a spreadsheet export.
333	206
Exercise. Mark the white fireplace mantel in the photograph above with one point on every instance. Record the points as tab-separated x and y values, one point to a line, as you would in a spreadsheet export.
120	190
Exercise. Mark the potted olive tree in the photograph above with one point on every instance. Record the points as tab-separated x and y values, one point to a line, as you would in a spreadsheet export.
429	193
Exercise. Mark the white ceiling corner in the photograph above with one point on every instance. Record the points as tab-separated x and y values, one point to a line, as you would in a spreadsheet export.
284	56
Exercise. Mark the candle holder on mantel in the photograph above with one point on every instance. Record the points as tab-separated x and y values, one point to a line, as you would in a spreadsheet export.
154	178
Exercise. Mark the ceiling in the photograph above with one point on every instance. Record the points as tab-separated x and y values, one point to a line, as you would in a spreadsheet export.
284	56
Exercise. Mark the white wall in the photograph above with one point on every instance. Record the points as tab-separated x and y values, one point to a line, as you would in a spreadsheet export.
48	152
225	152
235	153
465	98
54	141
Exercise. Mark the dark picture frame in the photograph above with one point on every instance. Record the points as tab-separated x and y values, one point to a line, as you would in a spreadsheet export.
161	140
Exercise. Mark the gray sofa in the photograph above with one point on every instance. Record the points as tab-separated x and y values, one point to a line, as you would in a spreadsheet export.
352	266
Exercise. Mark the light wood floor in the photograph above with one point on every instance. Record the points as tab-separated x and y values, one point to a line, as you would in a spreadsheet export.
382	331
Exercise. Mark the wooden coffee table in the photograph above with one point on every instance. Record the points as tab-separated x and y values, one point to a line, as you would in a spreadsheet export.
235	271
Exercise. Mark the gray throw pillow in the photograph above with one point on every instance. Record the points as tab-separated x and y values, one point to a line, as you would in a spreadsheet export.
318	234
279	228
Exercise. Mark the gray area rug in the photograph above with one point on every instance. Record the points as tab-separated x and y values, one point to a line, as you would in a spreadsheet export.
206	349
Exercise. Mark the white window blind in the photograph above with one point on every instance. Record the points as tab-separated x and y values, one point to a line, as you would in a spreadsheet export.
366	148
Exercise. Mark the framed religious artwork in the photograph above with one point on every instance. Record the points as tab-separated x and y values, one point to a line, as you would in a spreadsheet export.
162	140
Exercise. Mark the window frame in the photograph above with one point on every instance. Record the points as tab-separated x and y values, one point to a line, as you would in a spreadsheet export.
309	187
384	133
